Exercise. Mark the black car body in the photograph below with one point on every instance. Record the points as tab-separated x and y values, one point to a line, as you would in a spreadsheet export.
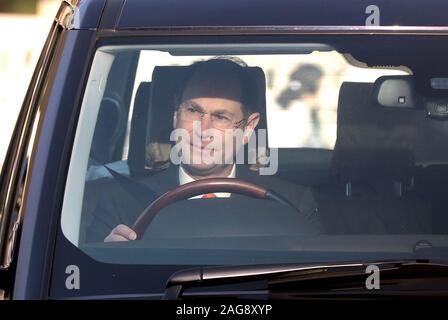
36	257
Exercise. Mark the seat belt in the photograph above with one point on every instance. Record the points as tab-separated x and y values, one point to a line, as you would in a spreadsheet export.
140	192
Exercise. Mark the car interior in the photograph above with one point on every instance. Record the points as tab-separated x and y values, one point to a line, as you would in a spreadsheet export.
385	174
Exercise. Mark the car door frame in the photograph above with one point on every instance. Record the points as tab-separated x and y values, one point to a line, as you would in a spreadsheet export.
30	183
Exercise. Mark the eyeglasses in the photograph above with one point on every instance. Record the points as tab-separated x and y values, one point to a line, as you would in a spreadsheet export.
190	112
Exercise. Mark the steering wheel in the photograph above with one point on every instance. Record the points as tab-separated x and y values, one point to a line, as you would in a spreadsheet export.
195	188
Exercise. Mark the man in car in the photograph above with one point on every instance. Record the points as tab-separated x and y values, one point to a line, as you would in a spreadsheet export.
214	95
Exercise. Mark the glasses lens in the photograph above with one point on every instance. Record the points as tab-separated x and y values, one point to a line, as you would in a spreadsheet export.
219	121
190	113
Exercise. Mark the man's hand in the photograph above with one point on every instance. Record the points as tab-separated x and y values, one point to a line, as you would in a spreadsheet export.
121	233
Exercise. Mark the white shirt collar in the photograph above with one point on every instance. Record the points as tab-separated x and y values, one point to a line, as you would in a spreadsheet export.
186	178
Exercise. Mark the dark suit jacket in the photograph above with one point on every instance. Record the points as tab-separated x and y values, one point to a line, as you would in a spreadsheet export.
107	203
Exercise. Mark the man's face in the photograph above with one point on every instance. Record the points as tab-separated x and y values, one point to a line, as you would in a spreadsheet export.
217	109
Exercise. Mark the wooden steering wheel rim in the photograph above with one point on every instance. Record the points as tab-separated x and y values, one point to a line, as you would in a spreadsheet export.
195	188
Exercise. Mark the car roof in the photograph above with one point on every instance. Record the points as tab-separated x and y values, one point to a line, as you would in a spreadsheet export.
267	14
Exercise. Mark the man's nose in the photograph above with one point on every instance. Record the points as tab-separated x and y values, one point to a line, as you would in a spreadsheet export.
206	123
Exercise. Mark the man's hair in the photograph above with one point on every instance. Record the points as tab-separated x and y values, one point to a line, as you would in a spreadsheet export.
214	67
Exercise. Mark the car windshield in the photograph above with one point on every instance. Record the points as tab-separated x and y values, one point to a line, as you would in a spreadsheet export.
331	149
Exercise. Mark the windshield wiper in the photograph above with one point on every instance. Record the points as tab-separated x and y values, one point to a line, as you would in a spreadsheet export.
284	273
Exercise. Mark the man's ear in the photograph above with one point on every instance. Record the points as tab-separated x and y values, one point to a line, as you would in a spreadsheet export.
175	120
176	102
251	124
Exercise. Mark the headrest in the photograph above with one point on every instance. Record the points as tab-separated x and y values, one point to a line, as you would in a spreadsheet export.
372	142
110	126
138	134
166	81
